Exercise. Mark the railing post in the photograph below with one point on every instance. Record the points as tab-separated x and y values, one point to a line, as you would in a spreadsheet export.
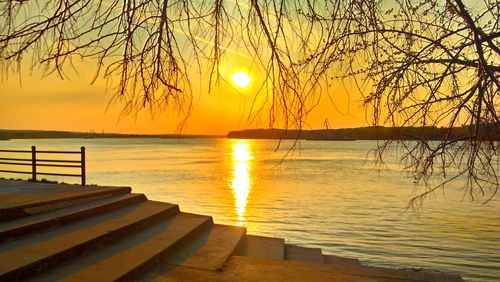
83	165
33	163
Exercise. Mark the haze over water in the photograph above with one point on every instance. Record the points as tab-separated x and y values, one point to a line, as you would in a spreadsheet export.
322	194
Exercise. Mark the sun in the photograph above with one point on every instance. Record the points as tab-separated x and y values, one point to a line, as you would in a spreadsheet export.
241	79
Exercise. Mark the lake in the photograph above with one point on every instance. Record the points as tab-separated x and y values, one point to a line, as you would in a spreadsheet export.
323	194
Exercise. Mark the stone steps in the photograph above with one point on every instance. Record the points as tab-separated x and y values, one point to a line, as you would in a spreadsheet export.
275	248
263	247
392	274
257	269
17	203
27	225
296	253
135	254
107	234
211	250
31	255
332	259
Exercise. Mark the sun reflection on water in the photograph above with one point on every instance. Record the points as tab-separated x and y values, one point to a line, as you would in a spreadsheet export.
241	179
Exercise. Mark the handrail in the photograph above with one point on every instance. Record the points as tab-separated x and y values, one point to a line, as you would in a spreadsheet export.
34	162
59	152
57	161
16	159
13	171
12	163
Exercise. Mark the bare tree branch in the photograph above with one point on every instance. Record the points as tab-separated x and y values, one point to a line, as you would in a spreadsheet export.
417	63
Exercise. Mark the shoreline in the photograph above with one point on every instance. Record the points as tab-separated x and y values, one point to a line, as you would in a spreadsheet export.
172	244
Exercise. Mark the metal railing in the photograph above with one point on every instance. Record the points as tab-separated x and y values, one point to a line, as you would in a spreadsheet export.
35	162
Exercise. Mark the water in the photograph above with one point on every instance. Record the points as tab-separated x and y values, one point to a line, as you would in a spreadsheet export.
323	194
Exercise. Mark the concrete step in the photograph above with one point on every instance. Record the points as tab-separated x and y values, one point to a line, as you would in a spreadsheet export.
293	252
256	269
332	259
131	257
264	247
393	274
27	225
18	202
211	250
28	256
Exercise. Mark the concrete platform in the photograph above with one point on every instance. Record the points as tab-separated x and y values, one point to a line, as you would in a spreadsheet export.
27	225
332	259
21	198
68	232
136	254
255	269
211	250
294	252
264	247
24	257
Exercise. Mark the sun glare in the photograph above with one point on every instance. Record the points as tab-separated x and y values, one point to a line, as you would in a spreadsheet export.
241	79
241	180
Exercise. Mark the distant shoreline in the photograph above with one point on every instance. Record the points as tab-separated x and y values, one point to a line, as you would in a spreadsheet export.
52	134
490	132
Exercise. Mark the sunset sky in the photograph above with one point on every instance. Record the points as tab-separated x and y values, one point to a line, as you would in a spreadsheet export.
30	101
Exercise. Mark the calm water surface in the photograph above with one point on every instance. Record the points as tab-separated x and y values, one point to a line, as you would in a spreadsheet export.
323	194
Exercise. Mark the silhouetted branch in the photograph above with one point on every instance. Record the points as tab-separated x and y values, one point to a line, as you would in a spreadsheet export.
416	63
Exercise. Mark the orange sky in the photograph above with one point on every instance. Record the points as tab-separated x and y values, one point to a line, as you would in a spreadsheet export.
74	105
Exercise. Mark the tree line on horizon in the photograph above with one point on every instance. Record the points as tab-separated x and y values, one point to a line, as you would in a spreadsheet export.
42	134
431	133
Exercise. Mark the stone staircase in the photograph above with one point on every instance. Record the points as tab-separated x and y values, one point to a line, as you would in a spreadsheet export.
65	232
